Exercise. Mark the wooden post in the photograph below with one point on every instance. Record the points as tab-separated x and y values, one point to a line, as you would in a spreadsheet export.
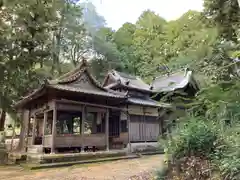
82	127
159	120
33	130
28	130
107	129
45	118
144	125
54	127
129	130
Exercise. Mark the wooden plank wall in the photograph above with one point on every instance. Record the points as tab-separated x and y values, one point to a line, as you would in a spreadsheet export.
76	140
144	128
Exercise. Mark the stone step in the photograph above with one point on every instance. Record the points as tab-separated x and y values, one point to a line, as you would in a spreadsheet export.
64	164
35	149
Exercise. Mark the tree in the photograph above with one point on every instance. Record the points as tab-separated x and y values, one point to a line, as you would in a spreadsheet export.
27	28
92	20
226	16
188	39
74	38
106	51
123	38
148	43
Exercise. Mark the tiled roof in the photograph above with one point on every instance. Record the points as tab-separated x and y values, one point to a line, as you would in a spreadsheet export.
69	82
147	102
86	91
126	80
173	81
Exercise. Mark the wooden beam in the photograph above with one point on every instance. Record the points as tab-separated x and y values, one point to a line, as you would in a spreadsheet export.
82	127
89	104
45	107
45	118
129	130
54	122
28	129
144	124
34	130
107	129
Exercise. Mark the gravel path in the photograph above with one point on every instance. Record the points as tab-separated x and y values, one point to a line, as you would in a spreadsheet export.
134	169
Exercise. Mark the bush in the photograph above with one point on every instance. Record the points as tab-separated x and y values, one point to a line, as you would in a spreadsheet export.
229	162
194	137
198	145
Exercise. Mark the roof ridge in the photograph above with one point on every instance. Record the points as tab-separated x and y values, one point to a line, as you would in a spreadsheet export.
82	65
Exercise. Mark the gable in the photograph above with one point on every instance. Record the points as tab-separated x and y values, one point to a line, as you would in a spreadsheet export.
109	80
84	82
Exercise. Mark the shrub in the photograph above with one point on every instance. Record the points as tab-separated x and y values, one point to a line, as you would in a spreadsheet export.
194	137
229	162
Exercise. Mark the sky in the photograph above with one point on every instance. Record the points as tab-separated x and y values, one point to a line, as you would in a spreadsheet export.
117	12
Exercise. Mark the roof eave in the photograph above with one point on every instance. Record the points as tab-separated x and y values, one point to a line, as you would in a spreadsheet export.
133	88
37	93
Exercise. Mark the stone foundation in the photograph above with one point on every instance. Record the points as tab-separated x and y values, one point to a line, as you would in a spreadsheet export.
143	147
57	158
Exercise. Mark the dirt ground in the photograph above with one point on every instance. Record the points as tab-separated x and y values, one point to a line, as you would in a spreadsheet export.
134	169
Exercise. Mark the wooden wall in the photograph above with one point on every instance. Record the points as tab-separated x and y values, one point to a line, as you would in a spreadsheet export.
140	110
144	123
76	140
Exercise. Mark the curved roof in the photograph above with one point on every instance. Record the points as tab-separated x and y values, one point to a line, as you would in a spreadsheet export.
174	81
79	80
115	78
147	102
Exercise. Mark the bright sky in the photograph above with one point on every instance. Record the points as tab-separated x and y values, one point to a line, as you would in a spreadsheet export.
117	12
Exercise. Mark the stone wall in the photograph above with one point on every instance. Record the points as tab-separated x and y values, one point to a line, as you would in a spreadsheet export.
143	147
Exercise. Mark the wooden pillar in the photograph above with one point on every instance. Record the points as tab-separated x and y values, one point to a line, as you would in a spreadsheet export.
82	127
45	118
34	129
107	129
28	129
144	125
54	122
129	130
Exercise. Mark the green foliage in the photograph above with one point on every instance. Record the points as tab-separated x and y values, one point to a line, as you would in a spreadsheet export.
74	41
25	28
229	162
226	16
194	137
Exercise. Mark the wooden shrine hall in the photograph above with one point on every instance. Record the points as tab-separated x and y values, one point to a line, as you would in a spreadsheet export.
75	113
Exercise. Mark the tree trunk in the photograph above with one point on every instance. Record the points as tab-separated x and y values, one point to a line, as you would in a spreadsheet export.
13	136
23	122
2	119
